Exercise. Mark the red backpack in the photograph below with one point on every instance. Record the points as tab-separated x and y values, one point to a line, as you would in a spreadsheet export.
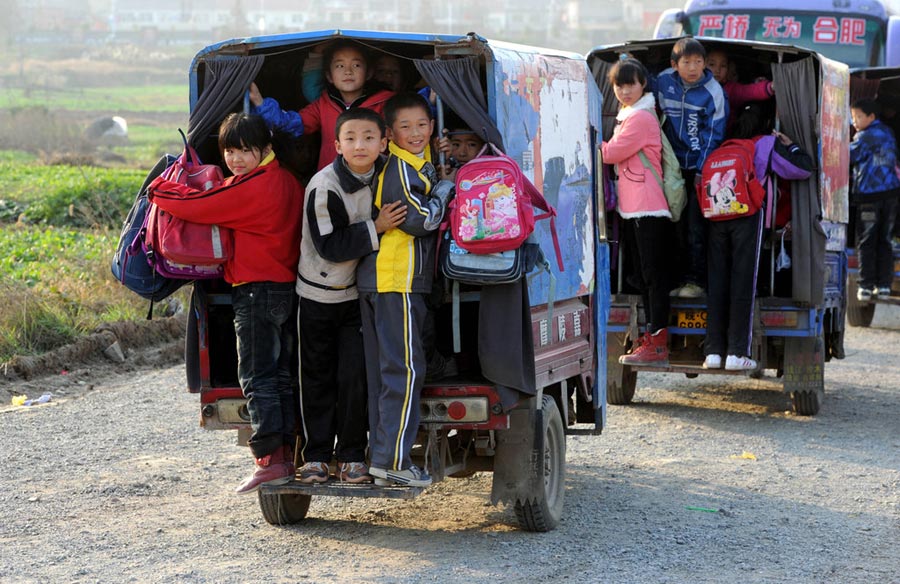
729	188
493	210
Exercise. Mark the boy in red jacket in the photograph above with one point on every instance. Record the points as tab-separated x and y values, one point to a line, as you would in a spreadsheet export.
348	74
262	204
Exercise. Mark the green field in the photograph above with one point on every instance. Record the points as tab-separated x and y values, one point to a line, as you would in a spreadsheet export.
106	100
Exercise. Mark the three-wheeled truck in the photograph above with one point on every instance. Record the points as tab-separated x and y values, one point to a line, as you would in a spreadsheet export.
520	388
798	321
883	84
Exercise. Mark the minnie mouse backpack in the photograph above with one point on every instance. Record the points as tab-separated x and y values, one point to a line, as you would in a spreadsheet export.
729	188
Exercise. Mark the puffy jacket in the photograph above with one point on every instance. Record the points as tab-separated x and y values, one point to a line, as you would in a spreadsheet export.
696	116
404	260
263	208
319	116
637	128
873	158
772	158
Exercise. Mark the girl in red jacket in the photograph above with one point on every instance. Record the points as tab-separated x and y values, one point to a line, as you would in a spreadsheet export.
262	204
641	203
348	75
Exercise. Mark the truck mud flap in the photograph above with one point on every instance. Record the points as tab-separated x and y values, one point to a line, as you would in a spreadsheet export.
518	459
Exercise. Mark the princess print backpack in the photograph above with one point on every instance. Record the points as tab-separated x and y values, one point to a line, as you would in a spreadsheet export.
729	188
493	210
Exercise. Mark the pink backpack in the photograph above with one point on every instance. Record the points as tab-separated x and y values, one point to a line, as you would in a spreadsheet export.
493	210
181	249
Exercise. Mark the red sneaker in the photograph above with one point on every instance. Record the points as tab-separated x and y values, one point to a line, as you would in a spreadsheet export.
271	469
649	350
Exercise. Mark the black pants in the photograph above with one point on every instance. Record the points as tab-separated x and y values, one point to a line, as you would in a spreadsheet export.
332	382
653	238
733	260
874	227
266	345
692	235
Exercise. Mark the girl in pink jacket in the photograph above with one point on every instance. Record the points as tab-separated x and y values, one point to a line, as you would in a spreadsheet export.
642	204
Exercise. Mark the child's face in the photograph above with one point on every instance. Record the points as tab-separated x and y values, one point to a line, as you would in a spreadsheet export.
347	70
690	68
629	93
465	147
360	142
412	129
243	160
861	120
389	72
717	62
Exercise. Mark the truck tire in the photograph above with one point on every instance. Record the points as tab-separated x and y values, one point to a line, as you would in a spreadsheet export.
858	313
806	403
283	508
620	388
543	511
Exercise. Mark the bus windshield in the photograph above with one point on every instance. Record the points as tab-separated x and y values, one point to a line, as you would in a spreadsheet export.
850	39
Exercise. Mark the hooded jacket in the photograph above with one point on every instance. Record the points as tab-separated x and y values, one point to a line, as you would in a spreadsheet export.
637	128
263	208
696	116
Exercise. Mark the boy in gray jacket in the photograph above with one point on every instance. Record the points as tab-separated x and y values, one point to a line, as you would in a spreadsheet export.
338	229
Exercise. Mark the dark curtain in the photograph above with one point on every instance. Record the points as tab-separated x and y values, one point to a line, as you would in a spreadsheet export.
458	82
600	71
224	83
505	344
794	84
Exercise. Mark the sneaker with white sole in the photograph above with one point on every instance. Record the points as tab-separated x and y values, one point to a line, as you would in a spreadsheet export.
712	362
883	291
864	295
409	477
736	363
313	472
354	472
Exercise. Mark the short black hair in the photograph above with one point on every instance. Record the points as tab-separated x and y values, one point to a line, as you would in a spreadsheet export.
240	130
627	71
359	113
686	47
338	45
403	101
868	106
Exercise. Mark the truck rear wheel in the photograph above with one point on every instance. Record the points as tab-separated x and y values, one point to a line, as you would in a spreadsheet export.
543	511
858	313
806	403
804	373
283	508
620	380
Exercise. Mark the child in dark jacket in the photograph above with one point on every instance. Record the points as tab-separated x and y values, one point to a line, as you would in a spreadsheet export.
696	111
348	75
393	282
338	229
262	204
733	255
875	188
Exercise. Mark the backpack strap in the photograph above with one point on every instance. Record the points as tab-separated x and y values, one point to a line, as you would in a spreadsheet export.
646	162
544	265
538	201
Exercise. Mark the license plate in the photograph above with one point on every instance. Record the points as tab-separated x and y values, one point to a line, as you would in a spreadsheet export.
692	319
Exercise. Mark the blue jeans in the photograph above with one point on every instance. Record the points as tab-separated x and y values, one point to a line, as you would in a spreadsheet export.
264	322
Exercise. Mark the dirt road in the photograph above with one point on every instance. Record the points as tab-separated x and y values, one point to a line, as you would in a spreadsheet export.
115	482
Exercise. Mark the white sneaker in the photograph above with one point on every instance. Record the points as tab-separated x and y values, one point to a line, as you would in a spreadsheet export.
410	477
676	292
883	291
735	363
712	362
691	290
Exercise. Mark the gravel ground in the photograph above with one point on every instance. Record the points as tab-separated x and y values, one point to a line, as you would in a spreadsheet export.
115	482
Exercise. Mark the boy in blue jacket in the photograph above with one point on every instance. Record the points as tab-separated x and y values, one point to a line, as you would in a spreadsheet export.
697	112
874	190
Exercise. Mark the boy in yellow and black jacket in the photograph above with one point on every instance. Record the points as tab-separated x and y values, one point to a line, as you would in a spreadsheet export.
393	282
